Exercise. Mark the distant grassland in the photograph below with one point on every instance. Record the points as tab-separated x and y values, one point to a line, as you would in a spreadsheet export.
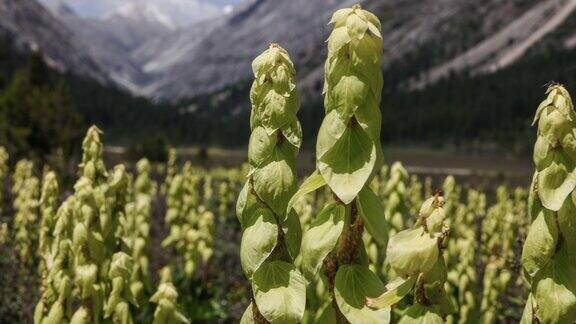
485	169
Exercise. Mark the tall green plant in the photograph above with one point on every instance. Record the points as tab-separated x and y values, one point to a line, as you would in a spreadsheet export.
348	155
166	297
138	216
26	191
548	254
88	239
396	198
55	305
3	175
171	170
271	235
416	257
48	211
48	208
100	270
4	235
117	306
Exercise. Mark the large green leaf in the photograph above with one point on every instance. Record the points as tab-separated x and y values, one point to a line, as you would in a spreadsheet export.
395	291
248	316
555	291
528	314
321	238
347	166
340	16
353	285
437	296
438	273
261	146
412	251
569	145
365	58
259	239
275	182
420	314
331	130
283	80
274	107
372	18
372	213
555	183
311	184
293	133
543	105
541	155
370	118
348	94
338	39
567	222
534	204
356	26
242	200
280	292
326	314
540	243
553	125
292	233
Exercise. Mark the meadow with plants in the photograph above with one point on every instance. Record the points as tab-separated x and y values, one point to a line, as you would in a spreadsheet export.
357	240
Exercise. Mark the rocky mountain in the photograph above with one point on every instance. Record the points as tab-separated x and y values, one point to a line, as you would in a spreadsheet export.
111	40
136	38
29	27
509	44
150	52
223	55
177	12
425	40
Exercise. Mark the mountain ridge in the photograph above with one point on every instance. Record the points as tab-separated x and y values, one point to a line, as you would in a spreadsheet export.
425	41
34	29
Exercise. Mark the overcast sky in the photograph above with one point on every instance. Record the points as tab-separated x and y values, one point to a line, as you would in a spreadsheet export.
101	8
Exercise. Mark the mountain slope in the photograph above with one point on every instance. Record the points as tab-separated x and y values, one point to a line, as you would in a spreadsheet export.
31	28
111	40
425	40
509	44
223	57
419	35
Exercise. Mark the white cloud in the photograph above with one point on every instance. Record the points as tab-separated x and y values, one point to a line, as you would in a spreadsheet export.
228	9
181	11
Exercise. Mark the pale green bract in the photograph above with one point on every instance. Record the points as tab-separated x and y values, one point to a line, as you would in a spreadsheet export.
25	190
48	211
271	230
547	257
321	238
348	155
4	156
416	257
166	297
348	148
354	284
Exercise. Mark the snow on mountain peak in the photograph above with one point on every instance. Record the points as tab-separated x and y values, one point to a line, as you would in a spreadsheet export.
144	12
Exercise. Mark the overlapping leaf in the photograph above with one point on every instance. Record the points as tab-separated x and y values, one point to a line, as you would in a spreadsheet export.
321	238
280	292
354	284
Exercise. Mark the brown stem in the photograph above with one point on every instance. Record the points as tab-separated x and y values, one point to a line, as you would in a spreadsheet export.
258	318
330	269
351	238
346	253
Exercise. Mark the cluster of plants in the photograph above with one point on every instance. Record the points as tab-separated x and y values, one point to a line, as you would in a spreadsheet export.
424	247
357	241
84	254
